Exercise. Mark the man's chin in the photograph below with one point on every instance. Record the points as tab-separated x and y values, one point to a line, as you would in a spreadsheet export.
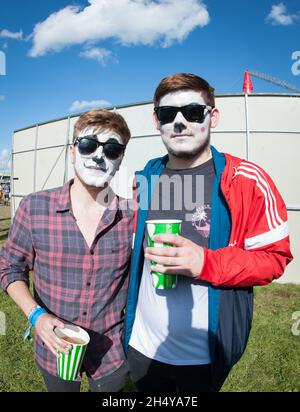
188	153
95	183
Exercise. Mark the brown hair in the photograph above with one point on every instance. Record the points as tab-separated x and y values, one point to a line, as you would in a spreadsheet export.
102	119
185	81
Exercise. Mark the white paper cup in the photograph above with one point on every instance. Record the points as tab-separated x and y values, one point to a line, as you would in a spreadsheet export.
68	365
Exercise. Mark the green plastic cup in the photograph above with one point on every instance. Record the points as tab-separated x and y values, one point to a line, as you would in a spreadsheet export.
156	227
68	365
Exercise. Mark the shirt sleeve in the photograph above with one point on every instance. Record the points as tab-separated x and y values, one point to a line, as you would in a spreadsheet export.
17	255
266	247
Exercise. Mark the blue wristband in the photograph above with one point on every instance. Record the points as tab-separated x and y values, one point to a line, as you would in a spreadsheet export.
35	314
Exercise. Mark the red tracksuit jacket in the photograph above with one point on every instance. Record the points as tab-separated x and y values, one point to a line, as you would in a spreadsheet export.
259	246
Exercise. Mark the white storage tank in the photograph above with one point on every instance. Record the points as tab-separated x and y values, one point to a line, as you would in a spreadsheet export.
270	137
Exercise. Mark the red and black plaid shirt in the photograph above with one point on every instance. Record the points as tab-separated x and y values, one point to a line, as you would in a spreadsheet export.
80	285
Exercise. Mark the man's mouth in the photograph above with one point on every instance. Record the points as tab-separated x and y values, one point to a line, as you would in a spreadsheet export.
102	168
181	135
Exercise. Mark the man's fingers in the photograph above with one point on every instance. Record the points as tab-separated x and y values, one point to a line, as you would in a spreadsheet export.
57	345
51	347
57	323
165	260
61	345
165	251
174	240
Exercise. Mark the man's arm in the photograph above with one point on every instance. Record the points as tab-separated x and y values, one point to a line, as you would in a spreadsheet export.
21	295
241	268
263	258
45	323
230	266
16	261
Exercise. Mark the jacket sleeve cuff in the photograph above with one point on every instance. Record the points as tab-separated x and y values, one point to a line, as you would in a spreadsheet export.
209	272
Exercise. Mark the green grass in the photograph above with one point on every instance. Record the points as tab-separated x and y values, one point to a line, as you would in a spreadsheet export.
271	362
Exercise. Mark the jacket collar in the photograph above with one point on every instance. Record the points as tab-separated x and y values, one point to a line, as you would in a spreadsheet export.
156	166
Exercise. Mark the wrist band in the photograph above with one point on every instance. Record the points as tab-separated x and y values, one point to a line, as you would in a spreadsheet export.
34	314
32	311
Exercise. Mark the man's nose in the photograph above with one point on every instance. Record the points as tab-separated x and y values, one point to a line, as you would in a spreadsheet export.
98	155
180	122
99	152
180	119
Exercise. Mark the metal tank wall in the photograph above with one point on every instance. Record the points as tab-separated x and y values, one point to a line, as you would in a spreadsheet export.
41	160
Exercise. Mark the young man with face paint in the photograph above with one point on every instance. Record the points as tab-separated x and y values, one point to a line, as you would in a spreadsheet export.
77	240
234	236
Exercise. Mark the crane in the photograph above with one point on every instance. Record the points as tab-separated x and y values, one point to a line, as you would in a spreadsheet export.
273	80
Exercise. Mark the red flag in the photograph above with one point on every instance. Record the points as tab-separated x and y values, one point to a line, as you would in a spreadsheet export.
248	86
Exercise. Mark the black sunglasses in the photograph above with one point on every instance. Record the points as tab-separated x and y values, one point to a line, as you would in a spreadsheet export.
89	144
192	112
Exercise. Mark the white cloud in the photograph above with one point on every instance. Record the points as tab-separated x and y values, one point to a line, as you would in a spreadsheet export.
101	55
278	15
6	34
2	98
80	105
4	159
129	22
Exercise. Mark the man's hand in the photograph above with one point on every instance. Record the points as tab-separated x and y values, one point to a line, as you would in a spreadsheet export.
44	327
184	257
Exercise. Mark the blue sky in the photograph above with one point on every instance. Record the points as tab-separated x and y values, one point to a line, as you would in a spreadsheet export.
64	56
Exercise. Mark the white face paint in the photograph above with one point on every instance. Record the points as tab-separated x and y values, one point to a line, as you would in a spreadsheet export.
183	138
89	171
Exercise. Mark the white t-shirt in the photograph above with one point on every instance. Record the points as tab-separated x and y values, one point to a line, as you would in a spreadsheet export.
171	325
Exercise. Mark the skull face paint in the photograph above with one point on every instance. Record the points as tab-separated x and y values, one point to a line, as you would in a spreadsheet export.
182	138
95	169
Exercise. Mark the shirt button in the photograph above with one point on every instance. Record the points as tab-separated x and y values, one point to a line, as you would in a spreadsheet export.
88	284
92	252
84	313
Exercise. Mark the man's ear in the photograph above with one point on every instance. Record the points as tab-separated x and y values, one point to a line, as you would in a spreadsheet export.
214	117
72	154
156	121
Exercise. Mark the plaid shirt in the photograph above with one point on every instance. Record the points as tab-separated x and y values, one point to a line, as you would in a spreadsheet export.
80	285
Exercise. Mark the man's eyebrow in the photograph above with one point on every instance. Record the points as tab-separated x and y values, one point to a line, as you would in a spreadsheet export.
90	136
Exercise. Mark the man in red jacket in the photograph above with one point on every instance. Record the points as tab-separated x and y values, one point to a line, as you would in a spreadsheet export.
233	237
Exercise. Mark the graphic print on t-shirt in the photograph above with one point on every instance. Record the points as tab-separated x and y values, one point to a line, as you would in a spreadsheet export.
201	220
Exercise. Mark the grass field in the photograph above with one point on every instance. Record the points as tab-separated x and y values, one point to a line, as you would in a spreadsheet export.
271	362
